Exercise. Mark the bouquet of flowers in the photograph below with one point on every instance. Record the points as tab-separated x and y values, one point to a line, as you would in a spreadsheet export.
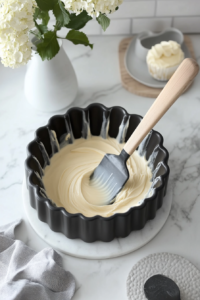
18	18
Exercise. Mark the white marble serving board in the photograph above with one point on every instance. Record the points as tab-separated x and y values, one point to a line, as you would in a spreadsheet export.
97	250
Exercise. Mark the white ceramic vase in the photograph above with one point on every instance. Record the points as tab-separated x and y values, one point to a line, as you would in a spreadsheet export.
50	85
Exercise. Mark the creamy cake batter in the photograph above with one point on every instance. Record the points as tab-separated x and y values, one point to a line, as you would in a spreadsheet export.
67	183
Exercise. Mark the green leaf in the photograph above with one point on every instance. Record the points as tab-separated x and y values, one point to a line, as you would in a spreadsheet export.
78	37
49	46
46	4
62	16
42	15
42	28
78	21
104	21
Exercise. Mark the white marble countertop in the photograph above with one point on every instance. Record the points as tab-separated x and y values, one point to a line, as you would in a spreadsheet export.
99	81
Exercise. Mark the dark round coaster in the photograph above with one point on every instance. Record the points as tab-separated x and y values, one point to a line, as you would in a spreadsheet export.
159	287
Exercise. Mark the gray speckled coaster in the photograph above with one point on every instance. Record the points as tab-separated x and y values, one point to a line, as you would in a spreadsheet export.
180	270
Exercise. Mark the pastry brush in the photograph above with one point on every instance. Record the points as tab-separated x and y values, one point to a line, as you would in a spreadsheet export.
112	173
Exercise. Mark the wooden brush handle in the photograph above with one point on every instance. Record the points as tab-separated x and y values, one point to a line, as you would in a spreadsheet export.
183	77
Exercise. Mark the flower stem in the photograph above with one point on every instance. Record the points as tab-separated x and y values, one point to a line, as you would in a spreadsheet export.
36	34
38	28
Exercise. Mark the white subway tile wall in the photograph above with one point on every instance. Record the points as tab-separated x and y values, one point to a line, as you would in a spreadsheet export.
153	24
187	24
133	9
178	8
134	16
92	28
120	26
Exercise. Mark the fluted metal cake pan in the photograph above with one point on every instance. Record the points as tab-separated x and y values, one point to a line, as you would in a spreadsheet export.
76	123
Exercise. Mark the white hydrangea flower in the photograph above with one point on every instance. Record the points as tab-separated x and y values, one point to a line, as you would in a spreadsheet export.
16	19
93	7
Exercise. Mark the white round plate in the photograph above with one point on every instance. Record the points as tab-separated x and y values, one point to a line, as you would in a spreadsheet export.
97	250
138	70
